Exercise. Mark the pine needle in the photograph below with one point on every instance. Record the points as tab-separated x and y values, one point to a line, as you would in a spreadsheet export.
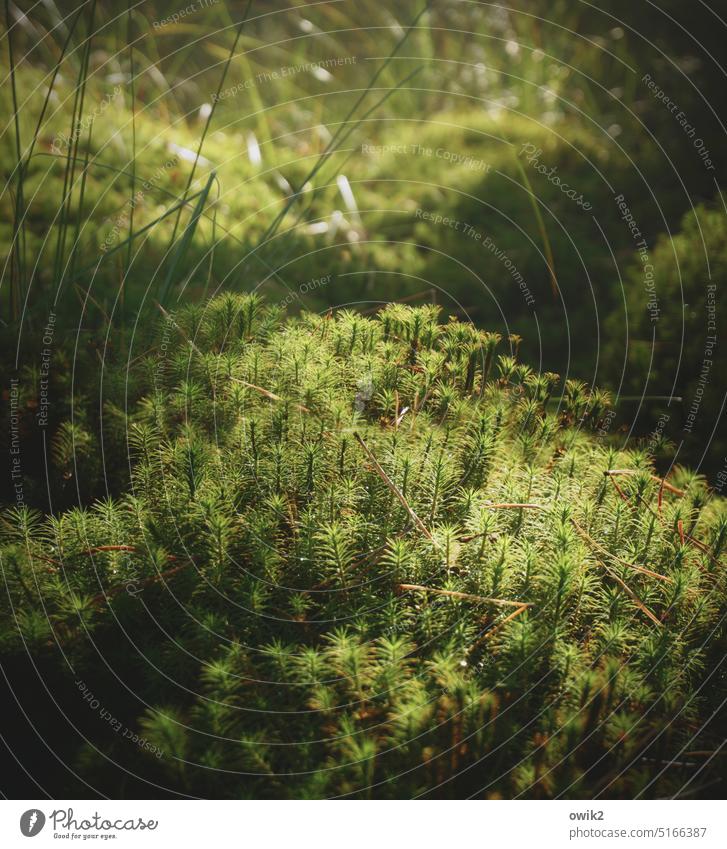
268	394
395	489
490	632
514	505
637	601
618	559
466	596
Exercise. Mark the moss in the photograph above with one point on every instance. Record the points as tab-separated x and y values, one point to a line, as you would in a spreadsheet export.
320	581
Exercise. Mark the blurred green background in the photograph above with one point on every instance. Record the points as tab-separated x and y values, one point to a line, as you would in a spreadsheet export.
552	172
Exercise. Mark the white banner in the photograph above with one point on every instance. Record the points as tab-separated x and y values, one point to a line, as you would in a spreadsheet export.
366	825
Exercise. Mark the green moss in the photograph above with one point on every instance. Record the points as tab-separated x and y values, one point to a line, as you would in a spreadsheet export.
291	480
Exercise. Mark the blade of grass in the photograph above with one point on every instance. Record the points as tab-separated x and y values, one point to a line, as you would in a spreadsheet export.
18	241
72	154
41	118
212	112
54	75
81	196
140	232
17	270
319	164
541	225
183	246
132	204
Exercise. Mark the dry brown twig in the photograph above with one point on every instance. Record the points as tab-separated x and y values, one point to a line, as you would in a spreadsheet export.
465	596
160	576
514	505
492	631
268	394
508	618
396	491
520	606
595	544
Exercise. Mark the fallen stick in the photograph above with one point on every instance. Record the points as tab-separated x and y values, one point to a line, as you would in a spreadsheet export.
507	619
621	493
266	392
640	604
